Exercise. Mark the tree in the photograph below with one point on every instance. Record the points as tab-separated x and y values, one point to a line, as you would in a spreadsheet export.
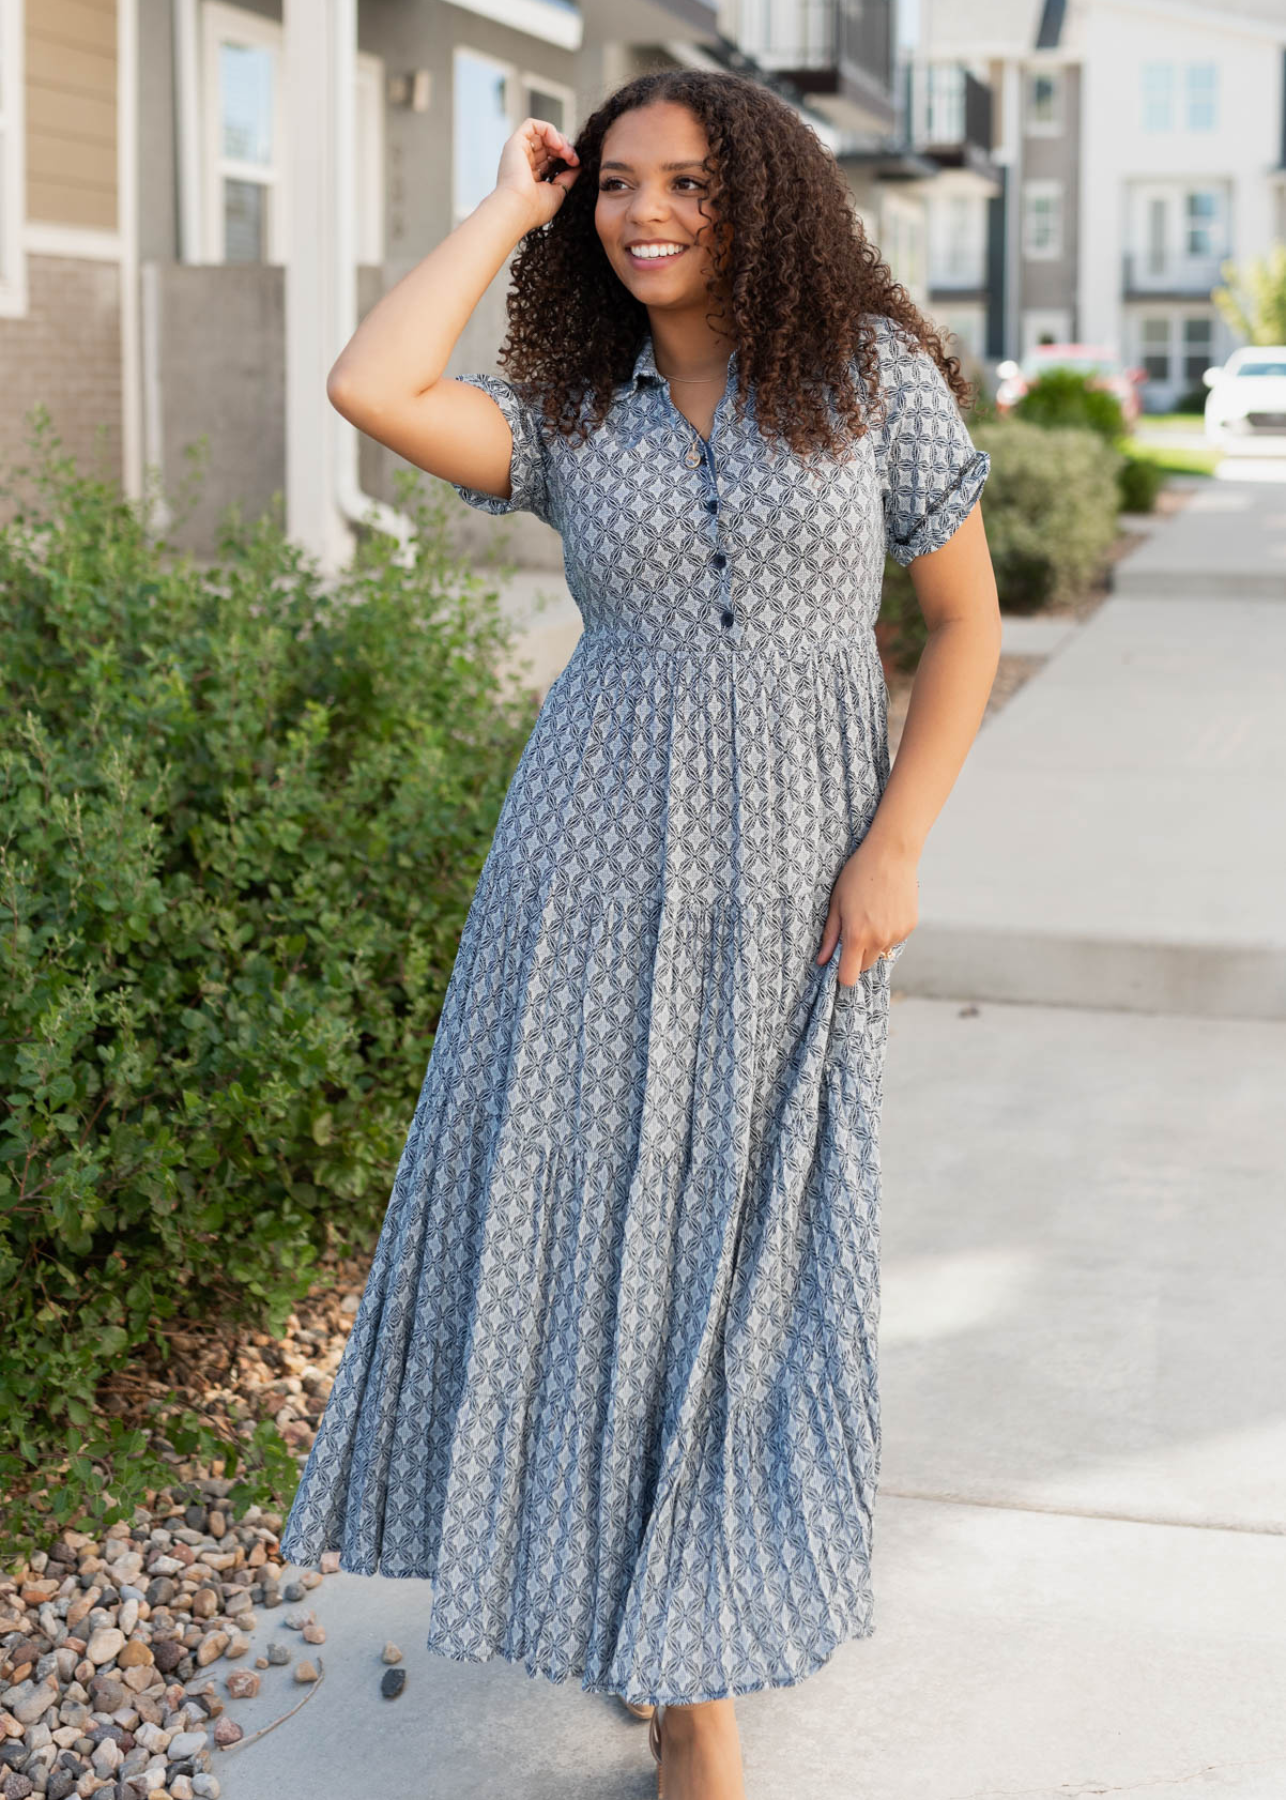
1253	302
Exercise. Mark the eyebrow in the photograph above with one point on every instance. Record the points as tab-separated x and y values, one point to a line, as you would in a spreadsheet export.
693	163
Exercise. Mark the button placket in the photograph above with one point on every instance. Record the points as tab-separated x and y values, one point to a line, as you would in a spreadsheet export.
719	557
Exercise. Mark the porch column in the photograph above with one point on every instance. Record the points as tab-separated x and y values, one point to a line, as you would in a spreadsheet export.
320	43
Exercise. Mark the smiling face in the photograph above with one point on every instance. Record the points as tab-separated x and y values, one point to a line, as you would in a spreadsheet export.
648	215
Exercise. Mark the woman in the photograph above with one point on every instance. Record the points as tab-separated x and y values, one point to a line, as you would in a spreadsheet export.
612	1386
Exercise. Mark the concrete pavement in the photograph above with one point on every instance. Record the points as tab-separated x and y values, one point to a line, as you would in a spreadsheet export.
1115	837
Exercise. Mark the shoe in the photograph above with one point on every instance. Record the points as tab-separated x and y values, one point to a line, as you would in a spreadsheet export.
642	1709
654	1742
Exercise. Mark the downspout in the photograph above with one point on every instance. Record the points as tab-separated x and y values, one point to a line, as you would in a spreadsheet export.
356	505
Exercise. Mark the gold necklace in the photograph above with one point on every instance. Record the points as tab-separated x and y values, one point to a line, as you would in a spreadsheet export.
696	450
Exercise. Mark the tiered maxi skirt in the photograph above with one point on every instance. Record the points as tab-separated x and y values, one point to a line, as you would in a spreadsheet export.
612	1387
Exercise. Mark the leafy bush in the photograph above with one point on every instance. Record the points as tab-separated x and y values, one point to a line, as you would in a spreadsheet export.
1139	482
1062	397
242	813
1050	503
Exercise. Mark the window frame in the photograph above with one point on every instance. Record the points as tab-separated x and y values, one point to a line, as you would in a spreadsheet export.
559	90
459	210
220	24
519	81
14	296
1043	188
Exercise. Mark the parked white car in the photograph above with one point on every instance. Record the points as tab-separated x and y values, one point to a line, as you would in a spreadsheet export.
1247	396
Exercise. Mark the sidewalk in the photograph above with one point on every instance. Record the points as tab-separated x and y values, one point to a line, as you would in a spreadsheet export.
1080	1546
1114	837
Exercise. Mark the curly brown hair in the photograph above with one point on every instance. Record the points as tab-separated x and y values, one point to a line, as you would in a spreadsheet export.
800	272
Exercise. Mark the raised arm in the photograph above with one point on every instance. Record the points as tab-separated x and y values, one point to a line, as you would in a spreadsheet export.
388	378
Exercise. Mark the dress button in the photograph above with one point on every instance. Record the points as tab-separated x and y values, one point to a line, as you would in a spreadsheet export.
729	618
718	559
712	506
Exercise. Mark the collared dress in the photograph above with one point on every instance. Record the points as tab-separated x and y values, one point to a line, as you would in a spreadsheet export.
612	1387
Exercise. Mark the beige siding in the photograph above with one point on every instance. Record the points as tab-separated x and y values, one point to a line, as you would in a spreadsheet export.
71	112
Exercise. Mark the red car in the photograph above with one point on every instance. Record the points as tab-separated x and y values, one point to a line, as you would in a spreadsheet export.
1101	364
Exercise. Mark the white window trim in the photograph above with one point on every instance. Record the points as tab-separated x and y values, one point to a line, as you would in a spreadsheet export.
1032	126
14	297
1044	189
219	24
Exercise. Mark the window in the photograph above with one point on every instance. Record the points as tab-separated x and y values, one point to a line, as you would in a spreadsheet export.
1198	348
482	106
944	104
244	208
1158	96
1044	102
1201	90
1042	219
543	103
1202	222
490	101
13	273
244	144
1154	338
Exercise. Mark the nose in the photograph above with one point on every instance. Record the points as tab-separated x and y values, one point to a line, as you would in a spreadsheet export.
648	203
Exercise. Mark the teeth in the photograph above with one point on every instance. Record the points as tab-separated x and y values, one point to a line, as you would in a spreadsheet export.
652	251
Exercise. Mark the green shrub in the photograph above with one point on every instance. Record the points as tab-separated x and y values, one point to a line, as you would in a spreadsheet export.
1139	482
1062	397
1050	504
1193	400
242	813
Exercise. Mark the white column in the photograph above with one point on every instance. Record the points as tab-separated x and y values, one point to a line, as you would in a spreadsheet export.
320	39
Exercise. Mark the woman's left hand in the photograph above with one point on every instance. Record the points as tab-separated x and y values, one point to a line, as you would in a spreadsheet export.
875	903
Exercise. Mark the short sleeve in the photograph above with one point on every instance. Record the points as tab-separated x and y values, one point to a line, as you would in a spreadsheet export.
931	472
529	482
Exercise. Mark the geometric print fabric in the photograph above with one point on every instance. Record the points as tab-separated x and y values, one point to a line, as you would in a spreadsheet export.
613	1384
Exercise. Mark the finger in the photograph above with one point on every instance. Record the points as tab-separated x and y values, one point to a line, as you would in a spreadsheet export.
830	936
557	144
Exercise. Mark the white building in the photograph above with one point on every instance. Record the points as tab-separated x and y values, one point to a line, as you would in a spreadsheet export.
1142	144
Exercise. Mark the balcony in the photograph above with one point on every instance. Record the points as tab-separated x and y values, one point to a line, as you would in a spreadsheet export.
839	53
949	111
1147	276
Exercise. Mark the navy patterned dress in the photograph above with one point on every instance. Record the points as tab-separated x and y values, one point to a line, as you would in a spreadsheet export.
613	1383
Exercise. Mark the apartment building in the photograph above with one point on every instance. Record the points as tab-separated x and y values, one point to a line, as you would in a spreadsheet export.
1141	143
199	199
1181	168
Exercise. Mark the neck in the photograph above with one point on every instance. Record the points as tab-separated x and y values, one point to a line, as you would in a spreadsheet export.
688	346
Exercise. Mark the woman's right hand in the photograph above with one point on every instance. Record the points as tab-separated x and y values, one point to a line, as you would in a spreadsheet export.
528	156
